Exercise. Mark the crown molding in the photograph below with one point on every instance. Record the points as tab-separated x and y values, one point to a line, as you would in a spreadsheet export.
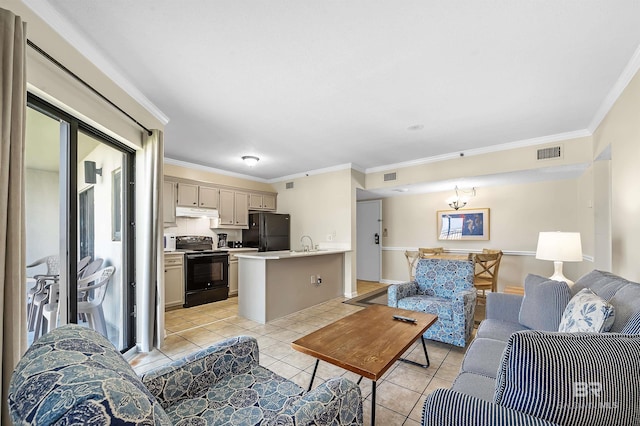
486	150
623	81
316	172
76	39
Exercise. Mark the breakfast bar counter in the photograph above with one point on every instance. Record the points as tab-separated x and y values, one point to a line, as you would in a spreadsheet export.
275	284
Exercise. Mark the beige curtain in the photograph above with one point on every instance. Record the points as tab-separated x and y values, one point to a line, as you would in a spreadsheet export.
13	94
150	287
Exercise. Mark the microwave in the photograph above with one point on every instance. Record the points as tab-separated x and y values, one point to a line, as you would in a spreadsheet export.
169	242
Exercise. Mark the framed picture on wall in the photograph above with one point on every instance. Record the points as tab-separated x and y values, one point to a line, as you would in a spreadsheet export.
468	224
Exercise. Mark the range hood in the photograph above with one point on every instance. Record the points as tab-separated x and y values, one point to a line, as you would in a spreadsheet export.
196	212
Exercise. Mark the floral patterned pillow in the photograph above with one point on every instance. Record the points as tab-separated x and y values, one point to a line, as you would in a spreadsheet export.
587	312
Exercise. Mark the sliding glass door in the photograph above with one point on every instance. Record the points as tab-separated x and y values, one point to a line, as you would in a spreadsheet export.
80	185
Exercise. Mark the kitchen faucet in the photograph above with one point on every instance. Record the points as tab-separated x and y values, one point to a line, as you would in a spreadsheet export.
306	248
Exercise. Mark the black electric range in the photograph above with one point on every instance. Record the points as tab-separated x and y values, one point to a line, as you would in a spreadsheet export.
206	271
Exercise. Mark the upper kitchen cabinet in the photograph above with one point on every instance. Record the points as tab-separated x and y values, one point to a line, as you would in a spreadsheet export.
191	195
265	202
169	203
234	208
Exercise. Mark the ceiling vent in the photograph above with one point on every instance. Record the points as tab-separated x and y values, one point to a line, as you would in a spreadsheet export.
389	176
550	153
288	185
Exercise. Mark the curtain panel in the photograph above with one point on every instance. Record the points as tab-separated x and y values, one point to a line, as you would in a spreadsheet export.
13	97
150	293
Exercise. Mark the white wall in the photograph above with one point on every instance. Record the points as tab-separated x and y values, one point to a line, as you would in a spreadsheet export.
42	215
109	159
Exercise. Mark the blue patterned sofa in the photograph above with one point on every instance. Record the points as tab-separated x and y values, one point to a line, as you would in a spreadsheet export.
73	375
520	370
444	288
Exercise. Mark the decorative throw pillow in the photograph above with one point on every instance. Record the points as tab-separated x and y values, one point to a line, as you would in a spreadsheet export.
587	312
633	326
543	303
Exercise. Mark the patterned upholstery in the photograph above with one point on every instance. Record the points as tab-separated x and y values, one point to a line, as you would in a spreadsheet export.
73	375
446	407
572	378
441	287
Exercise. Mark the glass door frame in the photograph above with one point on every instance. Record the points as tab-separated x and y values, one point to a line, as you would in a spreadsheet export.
70	126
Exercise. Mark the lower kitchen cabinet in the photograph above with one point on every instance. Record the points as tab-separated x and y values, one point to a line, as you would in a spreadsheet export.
233	276
173	280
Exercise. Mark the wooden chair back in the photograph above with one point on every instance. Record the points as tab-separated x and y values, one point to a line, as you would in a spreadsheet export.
487	265
412	256
425	252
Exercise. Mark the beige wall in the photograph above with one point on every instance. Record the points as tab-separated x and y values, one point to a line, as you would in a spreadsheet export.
320	206
57	87
620	130
576	151
517	214
203	175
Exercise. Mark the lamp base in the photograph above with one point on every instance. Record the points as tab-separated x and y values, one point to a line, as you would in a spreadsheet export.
557	274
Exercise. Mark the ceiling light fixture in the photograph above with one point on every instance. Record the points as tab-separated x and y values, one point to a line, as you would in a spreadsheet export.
457	202
250	160
416	127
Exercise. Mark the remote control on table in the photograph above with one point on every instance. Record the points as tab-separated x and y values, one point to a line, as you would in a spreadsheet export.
405	319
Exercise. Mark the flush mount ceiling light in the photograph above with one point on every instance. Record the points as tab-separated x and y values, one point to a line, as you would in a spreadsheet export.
250	160
416	127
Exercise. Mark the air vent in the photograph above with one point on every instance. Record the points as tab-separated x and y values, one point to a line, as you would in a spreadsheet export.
288	185
389	176
549	153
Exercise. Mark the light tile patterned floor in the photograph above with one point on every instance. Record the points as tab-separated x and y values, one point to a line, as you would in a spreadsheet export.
400	393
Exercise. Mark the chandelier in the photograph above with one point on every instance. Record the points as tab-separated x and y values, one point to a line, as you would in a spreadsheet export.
458	202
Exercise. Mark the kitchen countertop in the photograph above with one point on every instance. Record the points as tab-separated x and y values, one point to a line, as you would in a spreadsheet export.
286	254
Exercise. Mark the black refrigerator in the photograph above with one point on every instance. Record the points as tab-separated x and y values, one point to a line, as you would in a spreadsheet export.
267	232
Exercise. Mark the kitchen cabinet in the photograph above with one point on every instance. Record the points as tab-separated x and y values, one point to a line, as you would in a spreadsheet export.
191	195
208	197
169	203
234	208
173	280
265	202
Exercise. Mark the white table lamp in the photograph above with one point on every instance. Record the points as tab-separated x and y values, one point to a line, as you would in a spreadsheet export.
559	247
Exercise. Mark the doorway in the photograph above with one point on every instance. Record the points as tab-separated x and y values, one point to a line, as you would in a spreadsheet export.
368	240
77	205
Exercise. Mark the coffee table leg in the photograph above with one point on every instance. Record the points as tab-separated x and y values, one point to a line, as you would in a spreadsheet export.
313	376
426	355
373	403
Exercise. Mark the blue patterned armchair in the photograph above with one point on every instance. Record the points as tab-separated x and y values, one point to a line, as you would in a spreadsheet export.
73	375
444	288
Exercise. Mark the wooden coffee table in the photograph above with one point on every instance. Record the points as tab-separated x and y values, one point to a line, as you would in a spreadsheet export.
367	342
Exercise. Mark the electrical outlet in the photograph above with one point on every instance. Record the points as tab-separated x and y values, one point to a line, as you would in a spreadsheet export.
313	279
329	237
319	279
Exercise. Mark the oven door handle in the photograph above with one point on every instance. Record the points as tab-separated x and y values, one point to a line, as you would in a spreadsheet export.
196	256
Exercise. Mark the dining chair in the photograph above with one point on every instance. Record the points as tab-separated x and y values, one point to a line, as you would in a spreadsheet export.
487	265
411	256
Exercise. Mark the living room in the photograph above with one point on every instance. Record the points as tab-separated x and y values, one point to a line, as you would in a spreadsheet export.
586	191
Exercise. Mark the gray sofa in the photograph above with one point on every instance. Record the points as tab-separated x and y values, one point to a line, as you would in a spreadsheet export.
520	370
74	376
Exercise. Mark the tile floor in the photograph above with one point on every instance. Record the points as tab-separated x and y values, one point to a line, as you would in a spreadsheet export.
400	393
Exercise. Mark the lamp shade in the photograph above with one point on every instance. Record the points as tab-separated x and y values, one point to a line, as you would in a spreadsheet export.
559	246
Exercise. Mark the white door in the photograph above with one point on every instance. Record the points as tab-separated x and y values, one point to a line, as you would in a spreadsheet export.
368	227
